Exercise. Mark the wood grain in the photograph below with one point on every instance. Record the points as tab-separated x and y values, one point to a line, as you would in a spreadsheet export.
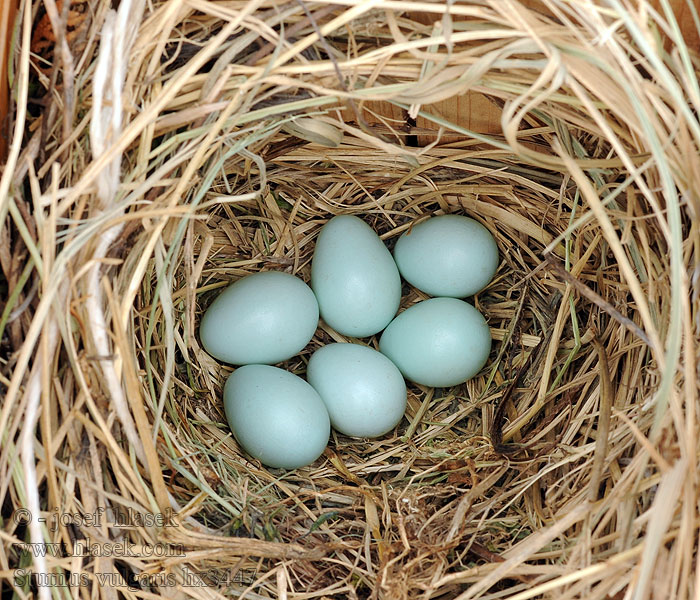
685	21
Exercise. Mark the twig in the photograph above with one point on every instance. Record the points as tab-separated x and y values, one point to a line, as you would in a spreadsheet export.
584	290
62	51
289	32
27	452
106	122
317	30
496	431
483	552
21	116
601	443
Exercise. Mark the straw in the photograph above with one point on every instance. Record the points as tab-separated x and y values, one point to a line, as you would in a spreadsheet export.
161	151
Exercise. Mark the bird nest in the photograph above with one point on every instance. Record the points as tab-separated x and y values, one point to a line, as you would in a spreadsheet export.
161	151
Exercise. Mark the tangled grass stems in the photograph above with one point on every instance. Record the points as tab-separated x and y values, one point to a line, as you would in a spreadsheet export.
130	229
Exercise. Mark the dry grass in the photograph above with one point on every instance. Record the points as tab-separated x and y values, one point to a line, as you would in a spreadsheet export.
159	168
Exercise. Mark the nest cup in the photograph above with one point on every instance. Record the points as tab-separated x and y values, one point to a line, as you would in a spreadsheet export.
213	142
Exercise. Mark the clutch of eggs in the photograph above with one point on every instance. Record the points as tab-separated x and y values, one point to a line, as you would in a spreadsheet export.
269	317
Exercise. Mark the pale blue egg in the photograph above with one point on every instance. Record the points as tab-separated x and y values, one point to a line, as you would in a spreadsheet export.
263	318
448	255
364	392
276	416
354	277
439	342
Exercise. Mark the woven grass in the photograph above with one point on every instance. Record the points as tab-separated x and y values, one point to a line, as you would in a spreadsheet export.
172	153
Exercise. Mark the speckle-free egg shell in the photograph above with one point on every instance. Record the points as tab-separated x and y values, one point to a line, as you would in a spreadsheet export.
364	392
276	416
263	318
447	255
354	277
439	342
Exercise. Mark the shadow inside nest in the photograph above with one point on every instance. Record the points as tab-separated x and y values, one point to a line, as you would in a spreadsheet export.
460	453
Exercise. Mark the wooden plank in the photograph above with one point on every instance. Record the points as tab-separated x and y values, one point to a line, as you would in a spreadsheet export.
686	23
472	110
